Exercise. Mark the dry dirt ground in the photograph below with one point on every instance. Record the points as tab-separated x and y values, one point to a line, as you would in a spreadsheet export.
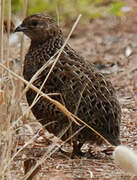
110	43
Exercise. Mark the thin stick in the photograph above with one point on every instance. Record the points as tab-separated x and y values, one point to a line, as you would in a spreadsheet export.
7	45
8	26
1	29
22	38
9	134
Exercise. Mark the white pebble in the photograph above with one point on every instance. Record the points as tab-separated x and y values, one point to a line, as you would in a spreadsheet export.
126	159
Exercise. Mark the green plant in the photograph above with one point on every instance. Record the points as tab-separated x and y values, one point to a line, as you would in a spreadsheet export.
69	9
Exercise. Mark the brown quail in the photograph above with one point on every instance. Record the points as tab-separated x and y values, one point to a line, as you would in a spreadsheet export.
84	90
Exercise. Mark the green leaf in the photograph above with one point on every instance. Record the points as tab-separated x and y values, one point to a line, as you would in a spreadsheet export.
116	8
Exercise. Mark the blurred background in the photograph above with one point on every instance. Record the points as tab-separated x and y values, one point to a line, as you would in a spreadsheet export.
70	9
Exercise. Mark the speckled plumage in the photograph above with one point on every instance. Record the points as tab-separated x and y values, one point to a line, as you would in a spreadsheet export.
76	81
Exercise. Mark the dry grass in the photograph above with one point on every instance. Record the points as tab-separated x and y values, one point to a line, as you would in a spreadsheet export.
10	106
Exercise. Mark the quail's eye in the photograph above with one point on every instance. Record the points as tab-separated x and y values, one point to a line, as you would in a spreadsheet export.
34	23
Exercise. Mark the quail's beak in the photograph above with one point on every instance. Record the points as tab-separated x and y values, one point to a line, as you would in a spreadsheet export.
21	28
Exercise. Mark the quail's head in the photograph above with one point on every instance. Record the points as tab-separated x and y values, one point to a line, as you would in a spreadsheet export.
39	27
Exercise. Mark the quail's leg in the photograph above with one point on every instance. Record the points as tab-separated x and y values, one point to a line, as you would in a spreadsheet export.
77	152
77	149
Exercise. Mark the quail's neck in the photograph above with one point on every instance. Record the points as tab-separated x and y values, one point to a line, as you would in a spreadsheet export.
50	46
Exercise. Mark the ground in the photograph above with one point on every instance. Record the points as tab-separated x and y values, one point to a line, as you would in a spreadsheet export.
110	43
